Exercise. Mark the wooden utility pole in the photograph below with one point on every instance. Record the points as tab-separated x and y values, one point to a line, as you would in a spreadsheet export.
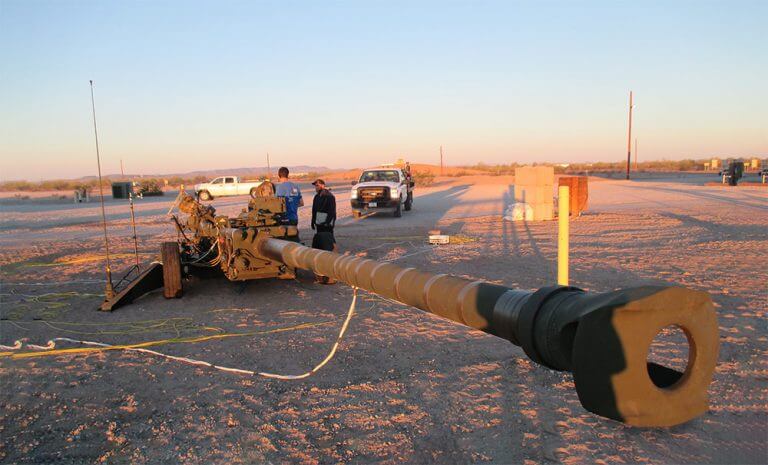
441	160
629	136
635	153
122	172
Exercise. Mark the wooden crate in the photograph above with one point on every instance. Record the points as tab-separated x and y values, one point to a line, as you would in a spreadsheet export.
579	194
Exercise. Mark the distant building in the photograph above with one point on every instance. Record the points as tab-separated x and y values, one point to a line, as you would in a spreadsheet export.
713	165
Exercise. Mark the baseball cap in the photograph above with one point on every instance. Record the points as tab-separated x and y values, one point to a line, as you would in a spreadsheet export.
318	181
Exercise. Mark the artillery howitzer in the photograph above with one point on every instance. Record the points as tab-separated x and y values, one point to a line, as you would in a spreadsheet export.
602	338
229	243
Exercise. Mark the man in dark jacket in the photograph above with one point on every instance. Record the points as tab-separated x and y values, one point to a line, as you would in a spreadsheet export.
323	221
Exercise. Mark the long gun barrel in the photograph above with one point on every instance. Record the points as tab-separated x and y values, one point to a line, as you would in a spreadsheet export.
602	338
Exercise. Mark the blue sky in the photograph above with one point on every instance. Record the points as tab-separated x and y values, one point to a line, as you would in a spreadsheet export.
188	85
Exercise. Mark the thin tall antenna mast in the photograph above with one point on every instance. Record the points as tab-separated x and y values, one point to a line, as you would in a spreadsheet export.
109	291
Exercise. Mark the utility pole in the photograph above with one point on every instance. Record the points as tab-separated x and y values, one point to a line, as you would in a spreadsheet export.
635	153
122	172
629	136
269	170
441	160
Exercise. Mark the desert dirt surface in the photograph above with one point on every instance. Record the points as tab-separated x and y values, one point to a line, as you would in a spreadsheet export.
405	386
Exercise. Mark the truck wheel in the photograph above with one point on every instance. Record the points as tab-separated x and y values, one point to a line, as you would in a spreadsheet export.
204	195
169	253
399	210
409	202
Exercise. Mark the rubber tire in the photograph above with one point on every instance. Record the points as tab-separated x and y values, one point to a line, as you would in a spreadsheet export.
399	211
205	195
409	202
169	254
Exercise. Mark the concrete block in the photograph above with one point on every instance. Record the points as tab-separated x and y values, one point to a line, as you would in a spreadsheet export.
535	195
543	212
534	185
535	176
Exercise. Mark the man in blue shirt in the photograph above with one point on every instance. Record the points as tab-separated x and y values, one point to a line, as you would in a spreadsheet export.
292	195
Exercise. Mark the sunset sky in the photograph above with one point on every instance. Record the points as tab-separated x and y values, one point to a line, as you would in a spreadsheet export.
185	85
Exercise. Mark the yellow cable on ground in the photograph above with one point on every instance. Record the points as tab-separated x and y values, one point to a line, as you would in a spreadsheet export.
78	261
49	350
80	350
127	327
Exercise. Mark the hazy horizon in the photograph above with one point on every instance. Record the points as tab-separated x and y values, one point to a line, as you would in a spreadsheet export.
192	86
235	171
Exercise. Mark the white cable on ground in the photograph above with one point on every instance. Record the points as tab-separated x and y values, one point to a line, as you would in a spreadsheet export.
427	249
333	349
16	346
201	257
52	344
386	244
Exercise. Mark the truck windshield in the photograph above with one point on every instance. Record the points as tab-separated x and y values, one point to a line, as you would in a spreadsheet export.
380	176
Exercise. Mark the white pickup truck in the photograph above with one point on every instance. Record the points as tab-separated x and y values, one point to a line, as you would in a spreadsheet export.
226	185
382	190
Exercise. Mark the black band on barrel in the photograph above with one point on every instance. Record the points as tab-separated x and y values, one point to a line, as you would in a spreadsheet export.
527	320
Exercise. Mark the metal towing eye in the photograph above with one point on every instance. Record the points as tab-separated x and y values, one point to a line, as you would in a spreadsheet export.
602	338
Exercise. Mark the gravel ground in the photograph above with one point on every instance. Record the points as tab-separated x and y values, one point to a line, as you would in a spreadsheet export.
405	386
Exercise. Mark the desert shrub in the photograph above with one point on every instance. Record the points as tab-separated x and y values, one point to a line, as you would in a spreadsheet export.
312	175
176	181
51	185
150	187
457	174
423	178
16	186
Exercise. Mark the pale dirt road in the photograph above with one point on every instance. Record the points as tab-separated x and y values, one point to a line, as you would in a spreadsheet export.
405	386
